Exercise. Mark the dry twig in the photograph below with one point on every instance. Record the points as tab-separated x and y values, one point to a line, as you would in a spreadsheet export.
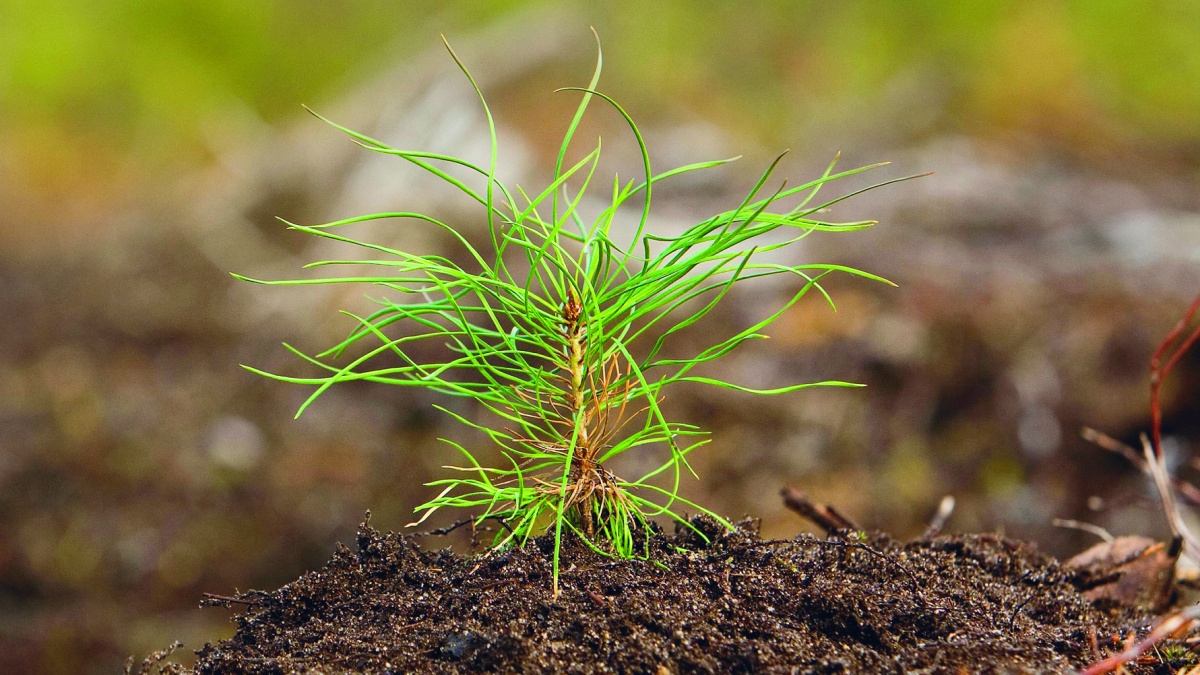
824	516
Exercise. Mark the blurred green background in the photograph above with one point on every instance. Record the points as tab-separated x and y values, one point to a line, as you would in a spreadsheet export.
100	97
146	146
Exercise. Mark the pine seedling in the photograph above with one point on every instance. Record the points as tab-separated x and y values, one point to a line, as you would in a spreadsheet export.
558	330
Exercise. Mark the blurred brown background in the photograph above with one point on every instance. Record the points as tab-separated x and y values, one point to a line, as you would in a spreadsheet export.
145	149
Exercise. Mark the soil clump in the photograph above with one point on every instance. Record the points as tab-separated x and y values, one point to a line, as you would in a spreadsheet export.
851	603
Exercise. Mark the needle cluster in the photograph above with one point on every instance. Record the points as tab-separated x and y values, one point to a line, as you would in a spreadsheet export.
556	330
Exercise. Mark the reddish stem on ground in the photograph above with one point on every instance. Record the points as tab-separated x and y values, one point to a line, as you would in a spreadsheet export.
1159	370
1164	629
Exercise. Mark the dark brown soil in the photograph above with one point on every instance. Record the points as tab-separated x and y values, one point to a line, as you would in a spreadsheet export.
862	604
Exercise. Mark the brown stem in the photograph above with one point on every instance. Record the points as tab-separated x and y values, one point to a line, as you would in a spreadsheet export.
576	333
1160	371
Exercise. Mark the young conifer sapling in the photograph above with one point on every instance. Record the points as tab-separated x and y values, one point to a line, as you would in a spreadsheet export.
556	330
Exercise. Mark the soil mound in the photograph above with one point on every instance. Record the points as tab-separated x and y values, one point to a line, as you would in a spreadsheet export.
735	604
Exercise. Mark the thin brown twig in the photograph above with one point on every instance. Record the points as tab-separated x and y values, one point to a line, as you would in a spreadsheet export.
1188	491
442	531
825	516
225	599
1082	526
